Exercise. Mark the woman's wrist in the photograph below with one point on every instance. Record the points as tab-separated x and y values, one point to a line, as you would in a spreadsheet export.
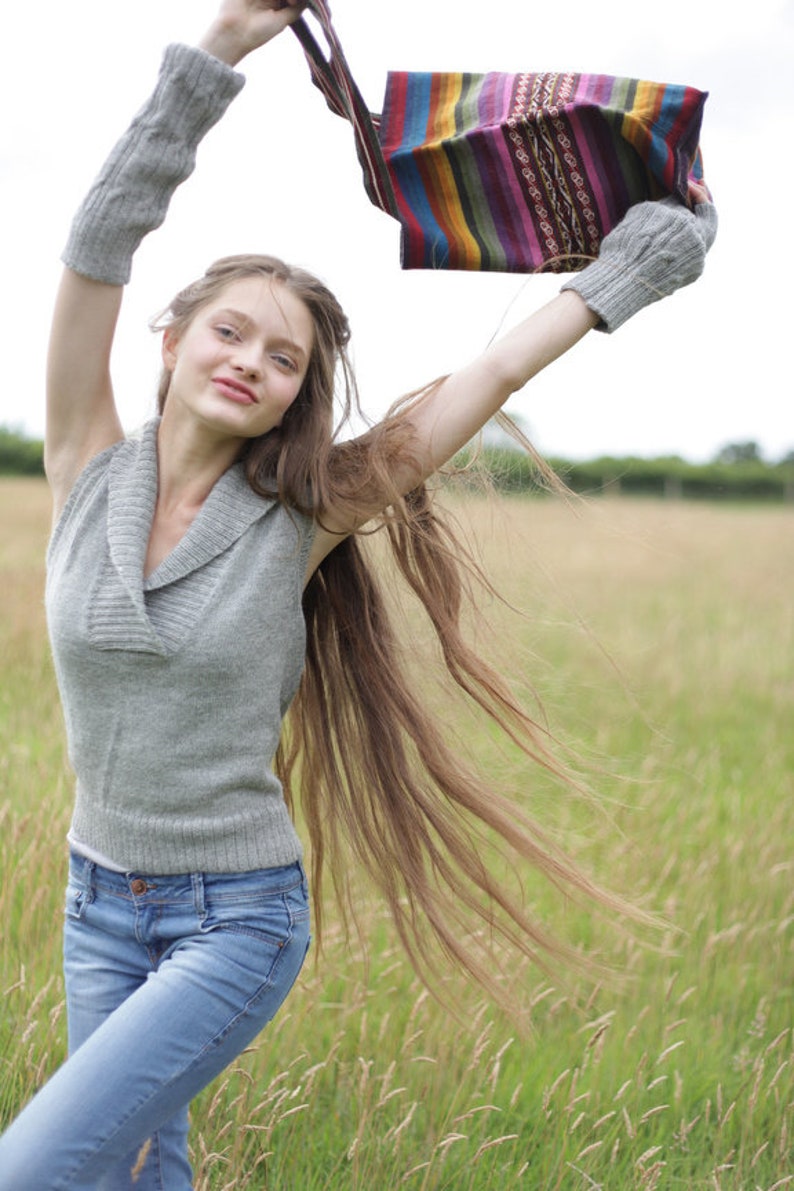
224	43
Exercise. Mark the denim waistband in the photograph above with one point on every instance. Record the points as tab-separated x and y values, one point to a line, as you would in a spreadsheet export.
92	877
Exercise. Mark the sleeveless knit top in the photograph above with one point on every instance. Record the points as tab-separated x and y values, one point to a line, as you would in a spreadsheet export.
174	687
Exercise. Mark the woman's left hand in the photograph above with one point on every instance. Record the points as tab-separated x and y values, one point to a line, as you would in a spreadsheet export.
657	248
698	193
244	25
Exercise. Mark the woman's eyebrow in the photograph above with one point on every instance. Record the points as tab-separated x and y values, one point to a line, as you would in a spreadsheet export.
230	312
246	321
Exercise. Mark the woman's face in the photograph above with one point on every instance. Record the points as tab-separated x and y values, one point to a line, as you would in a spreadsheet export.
240	363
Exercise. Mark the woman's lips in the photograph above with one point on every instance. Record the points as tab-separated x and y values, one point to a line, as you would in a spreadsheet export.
235	390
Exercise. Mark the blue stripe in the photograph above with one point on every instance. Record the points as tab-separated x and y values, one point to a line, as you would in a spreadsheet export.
659	150
435	249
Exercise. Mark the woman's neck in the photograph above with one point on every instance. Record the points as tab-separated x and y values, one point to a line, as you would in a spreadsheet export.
190	461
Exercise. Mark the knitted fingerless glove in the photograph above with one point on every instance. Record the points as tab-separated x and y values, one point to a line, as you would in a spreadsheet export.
657	248
130	196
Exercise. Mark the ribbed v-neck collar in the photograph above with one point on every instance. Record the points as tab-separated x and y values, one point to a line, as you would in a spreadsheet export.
120	602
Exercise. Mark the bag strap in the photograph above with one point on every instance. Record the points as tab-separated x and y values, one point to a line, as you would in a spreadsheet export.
333	77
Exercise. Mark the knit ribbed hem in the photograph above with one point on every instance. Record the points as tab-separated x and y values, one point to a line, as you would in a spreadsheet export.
154	844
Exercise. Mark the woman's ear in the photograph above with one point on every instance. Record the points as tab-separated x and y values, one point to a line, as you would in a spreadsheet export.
168	348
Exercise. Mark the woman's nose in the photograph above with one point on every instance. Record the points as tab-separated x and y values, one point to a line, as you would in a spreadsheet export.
248	363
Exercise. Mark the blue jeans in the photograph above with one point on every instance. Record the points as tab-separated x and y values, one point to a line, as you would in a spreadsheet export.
168	979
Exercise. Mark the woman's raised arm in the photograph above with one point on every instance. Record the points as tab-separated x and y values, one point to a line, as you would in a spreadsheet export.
656	249
130	198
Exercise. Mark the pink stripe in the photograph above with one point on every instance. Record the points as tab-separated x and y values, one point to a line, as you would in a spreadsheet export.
591	169
519	215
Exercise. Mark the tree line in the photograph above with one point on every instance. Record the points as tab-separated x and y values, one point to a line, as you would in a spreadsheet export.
738	471
20	455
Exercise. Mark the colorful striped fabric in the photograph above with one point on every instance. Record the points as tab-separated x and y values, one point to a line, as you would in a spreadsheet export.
516	172
512	173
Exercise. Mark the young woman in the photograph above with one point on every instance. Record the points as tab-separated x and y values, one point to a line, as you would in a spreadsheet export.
202	574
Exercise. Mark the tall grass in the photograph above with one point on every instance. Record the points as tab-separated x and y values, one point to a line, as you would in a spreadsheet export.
660	638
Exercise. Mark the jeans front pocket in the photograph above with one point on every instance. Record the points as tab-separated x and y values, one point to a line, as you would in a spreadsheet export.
256	930
268	904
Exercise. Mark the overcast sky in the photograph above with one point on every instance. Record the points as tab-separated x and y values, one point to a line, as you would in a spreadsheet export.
707	367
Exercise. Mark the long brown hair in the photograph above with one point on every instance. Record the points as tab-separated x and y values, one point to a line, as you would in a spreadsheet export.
377	777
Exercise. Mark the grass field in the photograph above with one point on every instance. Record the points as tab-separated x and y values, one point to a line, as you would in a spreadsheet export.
660	639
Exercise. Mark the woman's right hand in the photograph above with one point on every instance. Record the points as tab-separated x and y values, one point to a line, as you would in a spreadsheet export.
243	25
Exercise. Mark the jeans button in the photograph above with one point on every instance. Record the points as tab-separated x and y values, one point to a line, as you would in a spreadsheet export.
138	886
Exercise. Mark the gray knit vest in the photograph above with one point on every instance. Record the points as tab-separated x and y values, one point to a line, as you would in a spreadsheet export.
174	687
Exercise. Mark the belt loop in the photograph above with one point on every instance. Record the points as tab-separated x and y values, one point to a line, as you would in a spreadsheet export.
89	879
199	903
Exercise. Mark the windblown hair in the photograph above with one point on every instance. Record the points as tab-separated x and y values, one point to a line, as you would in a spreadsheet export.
377	776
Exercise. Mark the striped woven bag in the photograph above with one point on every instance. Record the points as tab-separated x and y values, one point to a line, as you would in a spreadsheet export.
510	173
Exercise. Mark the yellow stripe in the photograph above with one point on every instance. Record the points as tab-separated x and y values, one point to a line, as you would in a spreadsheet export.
441	117
441	125
635	122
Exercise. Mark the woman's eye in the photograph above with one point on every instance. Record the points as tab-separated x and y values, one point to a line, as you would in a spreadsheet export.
226	332
285	362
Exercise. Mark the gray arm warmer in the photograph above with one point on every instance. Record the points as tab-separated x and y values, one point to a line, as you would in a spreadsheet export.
130	196
657	248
